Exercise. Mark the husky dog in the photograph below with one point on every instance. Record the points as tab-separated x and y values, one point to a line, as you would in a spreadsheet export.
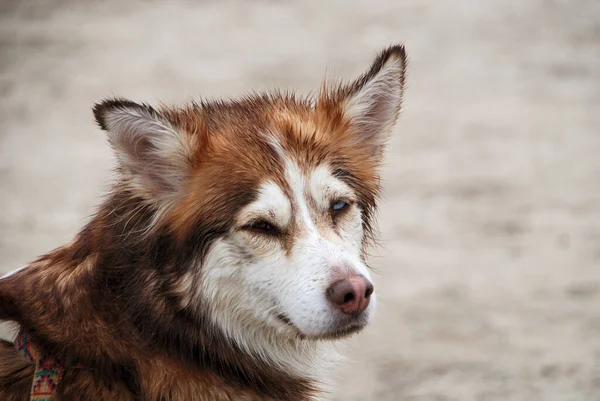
227	259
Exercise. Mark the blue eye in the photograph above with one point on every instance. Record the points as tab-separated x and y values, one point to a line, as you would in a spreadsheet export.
338	206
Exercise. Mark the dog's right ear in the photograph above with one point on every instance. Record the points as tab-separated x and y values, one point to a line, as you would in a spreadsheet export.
154	154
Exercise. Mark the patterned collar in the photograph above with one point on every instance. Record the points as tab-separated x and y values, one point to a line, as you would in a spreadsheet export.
49	370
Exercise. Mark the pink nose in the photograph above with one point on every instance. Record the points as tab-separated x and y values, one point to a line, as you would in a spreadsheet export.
351	294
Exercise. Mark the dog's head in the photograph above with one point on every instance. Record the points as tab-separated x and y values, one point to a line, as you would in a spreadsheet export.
272	196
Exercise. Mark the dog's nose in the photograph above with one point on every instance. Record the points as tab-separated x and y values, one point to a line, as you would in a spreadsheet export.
351	294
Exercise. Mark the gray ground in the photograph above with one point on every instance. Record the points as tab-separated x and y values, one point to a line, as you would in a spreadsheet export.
489	275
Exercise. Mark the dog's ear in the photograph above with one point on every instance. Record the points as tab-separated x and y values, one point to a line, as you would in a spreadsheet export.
154	155
371	104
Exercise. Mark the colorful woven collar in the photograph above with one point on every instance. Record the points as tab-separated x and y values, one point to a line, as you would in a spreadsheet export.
49	370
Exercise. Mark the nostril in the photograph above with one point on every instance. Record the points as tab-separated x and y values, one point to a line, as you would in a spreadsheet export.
349	297
369	291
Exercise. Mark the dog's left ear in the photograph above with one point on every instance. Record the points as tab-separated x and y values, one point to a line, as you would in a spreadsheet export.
371	104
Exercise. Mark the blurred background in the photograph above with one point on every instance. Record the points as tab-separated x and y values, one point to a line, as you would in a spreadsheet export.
489	271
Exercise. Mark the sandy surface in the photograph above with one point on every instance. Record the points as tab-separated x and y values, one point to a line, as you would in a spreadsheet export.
489	275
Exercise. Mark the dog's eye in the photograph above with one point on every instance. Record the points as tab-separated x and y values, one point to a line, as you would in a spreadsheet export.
262	227
339	206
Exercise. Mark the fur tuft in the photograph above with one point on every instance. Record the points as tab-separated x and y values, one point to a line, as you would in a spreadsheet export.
16	373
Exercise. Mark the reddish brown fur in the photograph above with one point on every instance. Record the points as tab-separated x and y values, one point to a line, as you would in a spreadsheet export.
109	297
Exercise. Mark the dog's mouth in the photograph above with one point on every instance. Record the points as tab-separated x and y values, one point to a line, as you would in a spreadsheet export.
341	333
288	322
338	331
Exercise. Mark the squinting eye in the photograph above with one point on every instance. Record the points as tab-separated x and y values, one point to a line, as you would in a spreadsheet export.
338	206
262	227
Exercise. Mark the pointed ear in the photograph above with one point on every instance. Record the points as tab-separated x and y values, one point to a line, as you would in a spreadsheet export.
153	154
372	103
